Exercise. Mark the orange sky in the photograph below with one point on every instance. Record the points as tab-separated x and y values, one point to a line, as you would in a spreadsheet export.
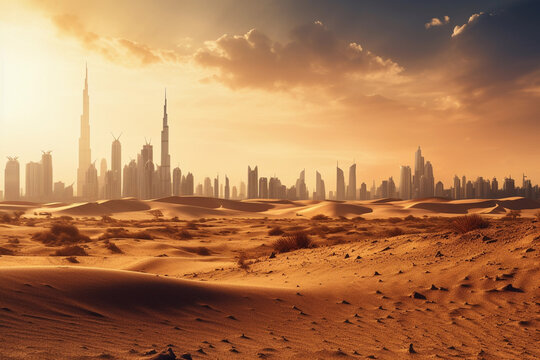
247	87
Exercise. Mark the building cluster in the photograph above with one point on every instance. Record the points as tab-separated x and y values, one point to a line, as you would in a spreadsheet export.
144	179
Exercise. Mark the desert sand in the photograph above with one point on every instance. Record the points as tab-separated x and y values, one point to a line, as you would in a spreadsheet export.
201	278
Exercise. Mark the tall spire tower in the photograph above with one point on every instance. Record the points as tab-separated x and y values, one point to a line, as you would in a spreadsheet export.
84	140
165	156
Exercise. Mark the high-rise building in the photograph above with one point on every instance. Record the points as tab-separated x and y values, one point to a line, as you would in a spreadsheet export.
418	173
216	187
234	194
165	167
131	180
405	184
116	168
242	194
351	188
456	191
439	189
177	181
227	190
253	183
188	184
207	187
146	170
320	190
101	178
34	181
391	188
47	175
91	189
12	180
301	188
363	192
494	187
429	181
263	188
340	184
84	140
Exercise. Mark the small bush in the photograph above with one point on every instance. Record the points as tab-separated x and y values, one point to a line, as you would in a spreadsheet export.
242	262
107	219
512	215
394	220
5	251
395	231
5	218
410	218
464	224
71	251
184	234
275	231
113	248
320	217
294	241
122	233
192	225
203	251
61	234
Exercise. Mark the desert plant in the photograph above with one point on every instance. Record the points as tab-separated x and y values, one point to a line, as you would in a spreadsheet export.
184	234
156	213
512	215
464	224
395	231
293	241
112	247
275	231
320	217
61	234
242	262
111	233
70	251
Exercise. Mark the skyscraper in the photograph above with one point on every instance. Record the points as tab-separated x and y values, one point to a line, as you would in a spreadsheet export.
177	181
91	189
47	173
12	180
320	191
418	173
116	168
131	180
165	174
227	192
253	183
263	188
34	181
216	187
405	186
146	172
84	140
456	194
340	184
351	188
301	188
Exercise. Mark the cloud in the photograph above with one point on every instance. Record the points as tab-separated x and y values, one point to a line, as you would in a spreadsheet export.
459	29
437	22
114	49
313	56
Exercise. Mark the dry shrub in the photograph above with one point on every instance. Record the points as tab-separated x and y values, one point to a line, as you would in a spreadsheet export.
395	231
61	234
122	233
394	220
112	247
358	219
203	251
5	218
410	218
4	251
275	231
74	250
464	224
512	215
294	241
184	234
192	225
320	217
336	229
242	262
107	219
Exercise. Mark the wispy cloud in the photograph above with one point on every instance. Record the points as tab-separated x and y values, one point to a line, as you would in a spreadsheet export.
437	22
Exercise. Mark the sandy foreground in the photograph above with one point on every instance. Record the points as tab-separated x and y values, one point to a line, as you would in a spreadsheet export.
162	279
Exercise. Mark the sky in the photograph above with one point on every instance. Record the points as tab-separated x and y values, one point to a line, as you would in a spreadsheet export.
285	85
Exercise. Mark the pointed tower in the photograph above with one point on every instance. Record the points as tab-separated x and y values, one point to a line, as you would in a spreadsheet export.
165	156
84	140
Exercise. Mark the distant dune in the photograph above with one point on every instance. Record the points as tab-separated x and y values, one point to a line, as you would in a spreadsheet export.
192	207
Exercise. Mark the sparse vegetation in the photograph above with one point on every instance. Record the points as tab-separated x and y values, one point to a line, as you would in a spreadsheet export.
184	234
320	217
156	213
395	231
112	247
74	250
293	241
61	234
464	224
122	233
242	262
275	231
512	215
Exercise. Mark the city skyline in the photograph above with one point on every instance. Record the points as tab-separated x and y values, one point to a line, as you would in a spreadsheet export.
147	179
